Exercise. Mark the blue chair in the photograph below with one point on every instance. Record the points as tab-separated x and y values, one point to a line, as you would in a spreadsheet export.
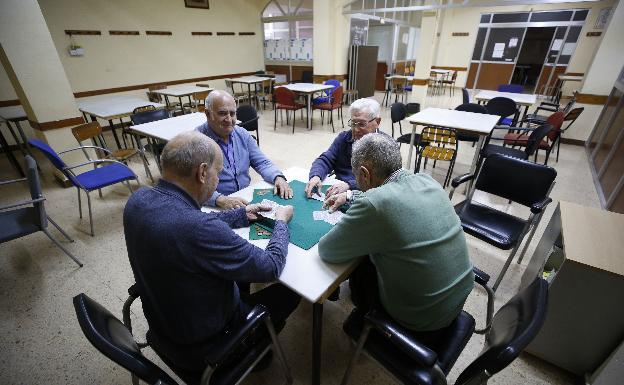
327	94
113	172
513	88
29	216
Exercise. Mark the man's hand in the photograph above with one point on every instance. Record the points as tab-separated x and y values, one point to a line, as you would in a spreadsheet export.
284	213
227	203
337	188
313	187
282	188
334	202
254	209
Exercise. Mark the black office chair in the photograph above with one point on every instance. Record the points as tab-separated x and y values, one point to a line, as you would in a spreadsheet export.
249	118
516	180
413	362
146	116
465	96
536	135
24	218
503	107
397	113
470	107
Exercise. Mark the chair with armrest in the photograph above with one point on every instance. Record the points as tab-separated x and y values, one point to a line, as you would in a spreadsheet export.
93	131
416	362
570	117
465	96
334	103
409	109
517	180
285	99
249	120
470	107
234	358
327	94
450	82
111	173
397	113
141	117
547	143
24	218
535	137
503	107
537	118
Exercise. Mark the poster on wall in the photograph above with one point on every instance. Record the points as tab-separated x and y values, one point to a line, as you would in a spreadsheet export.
499	49
359	31
603	18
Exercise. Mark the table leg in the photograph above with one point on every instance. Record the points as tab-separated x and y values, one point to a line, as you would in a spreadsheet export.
182	104
475	159
167	102
411	148
12	160
309	106
112	127
317	331
249	93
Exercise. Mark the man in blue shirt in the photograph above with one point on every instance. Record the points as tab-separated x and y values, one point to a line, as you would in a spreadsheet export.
187	263
365	119
240	151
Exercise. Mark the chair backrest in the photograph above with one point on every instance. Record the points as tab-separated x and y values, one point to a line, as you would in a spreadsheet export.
536	136
153	96
397	112
439	136
149	116
283	95
248	116
34	185
502	107
412	108
515	179
399	84
572	116
472	107
514	326
336	96
111	337
87	131
148	107
555	120
333	82
514	88
53	158
201	96
465	96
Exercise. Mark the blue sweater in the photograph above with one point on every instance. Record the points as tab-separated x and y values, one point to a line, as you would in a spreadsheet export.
185	262
338	159
239	154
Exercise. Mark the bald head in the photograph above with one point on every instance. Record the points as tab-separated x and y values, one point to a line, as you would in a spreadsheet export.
217	97
185	152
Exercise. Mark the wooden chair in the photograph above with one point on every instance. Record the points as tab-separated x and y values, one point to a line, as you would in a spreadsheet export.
441	145
264	92
238	96
93	131
198	100
398	89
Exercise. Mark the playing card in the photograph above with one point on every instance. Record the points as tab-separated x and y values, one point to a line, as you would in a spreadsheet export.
331	218
274	206
319	197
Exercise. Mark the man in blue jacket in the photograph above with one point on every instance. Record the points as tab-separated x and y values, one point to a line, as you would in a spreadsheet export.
364	120
240	151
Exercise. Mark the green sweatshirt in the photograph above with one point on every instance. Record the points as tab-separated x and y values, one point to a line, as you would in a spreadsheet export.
410	230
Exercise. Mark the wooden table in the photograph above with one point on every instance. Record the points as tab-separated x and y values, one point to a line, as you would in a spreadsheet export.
249	80
469	122
180	92
305	273
14	114
113	107
525	100
307	89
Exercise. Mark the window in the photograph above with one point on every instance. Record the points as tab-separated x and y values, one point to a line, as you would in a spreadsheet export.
552	16
288	30
510	17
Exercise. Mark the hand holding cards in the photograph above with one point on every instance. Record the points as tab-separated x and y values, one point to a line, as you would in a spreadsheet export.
277	212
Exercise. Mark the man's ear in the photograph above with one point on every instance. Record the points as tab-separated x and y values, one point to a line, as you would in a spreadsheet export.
365	174
202	173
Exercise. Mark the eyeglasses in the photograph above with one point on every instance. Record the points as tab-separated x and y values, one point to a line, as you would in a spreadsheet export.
224	113
354	124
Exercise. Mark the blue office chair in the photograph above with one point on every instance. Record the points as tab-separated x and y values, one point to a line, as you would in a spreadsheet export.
113	172
20	219
327	94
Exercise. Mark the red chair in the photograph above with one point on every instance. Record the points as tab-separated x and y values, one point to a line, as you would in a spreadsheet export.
334	103
284	99
546	144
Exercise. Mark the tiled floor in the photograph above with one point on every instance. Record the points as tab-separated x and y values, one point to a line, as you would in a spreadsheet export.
41	341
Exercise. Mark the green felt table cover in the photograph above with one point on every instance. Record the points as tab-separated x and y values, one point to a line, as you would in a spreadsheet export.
305	232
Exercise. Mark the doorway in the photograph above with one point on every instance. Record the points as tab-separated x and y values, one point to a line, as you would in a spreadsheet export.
535	47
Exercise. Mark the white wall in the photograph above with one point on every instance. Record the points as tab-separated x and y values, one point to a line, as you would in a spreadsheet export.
382	36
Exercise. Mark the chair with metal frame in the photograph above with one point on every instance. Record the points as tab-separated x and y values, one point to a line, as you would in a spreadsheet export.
24	218
198	99
513	88
264	91
413	362
465	96
239	96
141	117
93	131
503	107
114	339
547	143
155	97
285	99
112	173
450	82
334	103
397	113
474	108
536	118
517	180
249	120
398	89
441	146
536	135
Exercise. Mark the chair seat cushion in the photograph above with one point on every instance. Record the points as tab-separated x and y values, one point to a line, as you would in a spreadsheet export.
513	139
495	149
18	223
506	121
448	346
105	176
490	225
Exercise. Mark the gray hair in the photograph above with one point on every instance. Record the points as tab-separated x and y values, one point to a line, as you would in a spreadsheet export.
186	151
380	152
214	95
366	105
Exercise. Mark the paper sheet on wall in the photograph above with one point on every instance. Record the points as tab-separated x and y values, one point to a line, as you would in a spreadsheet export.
513	42
568	48
499	49
557	45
